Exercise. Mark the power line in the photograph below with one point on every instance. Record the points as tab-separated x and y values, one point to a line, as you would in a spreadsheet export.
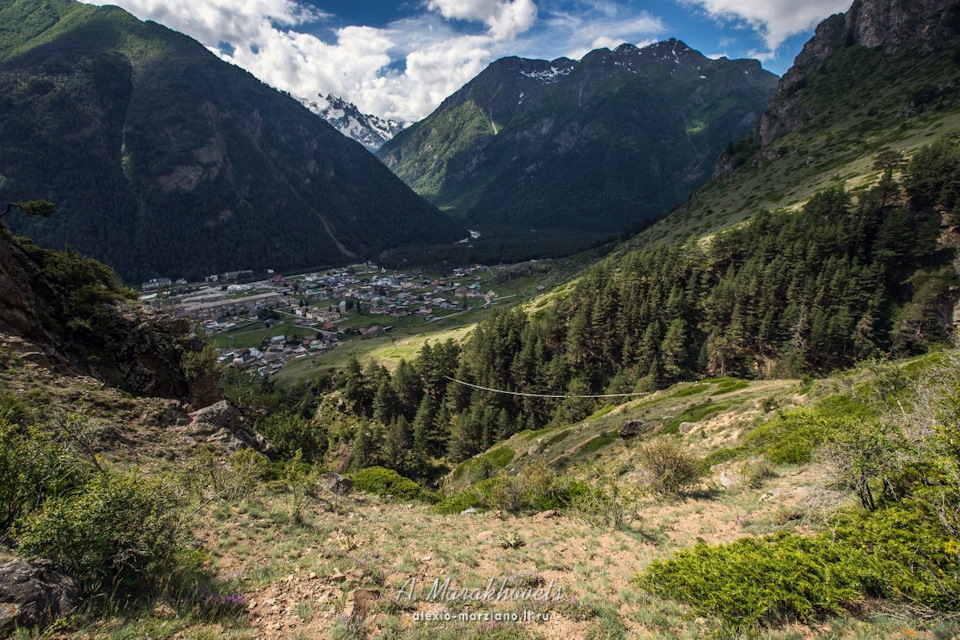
542	395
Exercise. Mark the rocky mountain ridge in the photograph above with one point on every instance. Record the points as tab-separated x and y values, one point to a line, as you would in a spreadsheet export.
129	347
596	145
369	130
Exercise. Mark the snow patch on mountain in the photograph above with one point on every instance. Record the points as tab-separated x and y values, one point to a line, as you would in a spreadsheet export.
549	76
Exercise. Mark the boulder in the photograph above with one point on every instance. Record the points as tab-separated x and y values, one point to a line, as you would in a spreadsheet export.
634	428
224	425
336	483
221	415
729	479
687	427
360	602
33	594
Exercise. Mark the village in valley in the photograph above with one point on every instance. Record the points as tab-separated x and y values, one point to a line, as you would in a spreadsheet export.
262	325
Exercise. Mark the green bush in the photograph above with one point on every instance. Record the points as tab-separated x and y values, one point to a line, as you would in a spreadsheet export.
723	455
913	560
761	580
668	470
791	437
290	432
387	482
120	534
535	488
897	553
33	466
456	503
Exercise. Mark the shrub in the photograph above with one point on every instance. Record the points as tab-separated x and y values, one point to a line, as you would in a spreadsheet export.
459	501
609	504
913	560
122	532
790	438
33	466
668	470
387	482
511	540
896	553
723	455
761	580
291	432
535	488
755	471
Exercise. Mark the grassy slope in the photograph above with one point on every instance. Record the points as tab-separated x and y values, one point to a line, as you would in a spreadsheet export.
296	578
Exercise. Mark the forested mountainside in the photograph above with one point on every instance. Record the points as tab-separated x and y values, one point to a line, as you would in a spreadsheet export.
787	294
166	161
597	145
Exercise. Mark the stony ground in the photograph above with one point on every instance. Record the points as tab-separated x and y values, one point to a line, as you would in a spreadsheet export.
360	566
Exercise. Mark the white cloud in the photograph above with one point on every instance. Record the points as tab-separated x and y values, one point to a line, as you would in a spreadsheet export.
605	42
773	20
610	30
505	19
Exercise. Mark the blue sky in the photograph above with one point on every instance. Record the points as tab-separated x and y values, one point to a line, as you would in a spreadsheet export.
401	59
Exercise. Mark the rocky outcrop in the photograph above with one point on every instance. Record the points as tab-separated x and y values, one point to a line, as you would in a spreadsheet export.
24	295
634	428
34	595
922	25
222	424
336	484
128	346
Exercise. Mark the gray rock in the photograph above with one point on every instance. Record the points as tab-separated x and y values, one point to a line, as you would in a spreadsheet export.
224	425
533	450
221	415
336	483
729	479
635	428
468	511
32	594
687	427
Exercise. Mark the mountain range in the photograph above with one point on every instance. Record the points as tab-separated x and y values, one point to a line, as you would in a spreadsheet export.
597	145
369	130
163	160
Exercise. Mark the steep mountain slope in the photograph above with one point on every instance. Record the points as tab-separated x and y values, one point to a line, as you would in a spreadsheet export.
882	77
165	161
598	145
369	130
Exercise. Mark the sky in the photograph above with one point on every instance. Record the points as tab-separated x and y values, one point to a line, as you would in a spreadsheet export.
399	60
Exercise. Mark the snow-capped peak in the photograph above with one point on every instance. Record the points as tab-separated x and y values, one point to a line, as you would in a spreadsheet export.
369	130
